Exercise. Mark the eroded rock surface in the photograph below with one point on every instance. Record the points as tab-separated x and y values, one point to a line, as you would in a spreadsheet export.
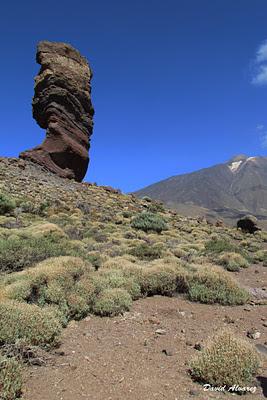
62	105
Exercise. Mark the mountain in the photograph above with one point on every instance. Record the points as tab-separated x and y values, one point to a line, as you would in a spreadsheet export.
227	190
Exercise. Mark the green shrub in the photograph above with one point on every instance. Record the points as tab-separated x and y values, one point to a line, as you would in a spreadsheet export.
159	279
232	261
38	326
227	360
27	207
148	221
17	253
155	207
114	278
211	286
6	204
10	378
112	302
261	255
219	245
146	251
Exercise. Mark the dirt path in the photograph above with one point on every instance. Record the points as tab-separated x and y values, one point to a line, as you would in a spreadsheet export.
141	355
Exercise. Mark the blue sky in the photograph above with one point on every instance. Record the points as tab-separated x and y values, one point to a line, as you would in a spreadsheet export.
178	84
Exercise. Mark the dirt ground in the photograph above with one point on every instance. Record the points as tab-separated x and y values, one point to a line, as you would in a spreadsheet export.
144	354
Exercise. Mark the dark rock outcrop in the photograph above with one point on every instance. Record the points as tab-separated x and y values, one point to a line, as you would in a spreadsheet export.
62	105
248	224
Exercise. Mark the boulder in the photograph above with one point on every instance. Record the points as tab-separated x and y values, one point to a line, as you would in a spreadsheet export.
248	224
62	105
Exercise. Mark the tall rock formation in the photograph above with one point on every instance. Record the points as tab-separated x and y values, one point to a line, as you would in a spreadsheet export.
62	105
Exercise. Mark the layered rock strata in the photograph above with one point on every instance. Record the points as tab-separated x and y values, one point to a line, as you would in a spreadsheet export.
62	105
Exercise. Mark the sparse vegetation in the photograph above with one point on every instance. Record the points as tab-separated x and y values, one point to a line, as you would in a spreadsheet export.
61	264
226	360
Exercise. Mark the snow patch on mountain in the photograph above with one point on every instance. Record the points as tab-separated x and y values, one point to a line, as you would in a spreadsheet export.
235	165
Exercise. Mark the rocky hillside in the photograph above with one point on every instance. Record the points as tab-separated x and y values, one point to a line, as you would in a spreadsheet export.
72	250
226	191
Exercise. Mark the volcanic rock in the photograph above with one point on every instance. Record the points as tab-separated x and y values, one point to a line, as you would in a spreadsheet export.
62	105
248	224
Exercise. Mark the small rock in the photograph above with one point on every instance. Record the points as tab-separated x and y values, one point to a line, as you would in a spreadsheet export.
193	392
160	332
261	348
264	324
60	353
188	343
168	352
37	361
228	320
154	321
182	330
253	334
198	346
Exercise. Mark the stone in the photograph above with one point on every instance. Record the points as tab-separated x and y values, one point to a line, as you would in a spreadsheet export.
62	105
248	224
194	392
198	346
253	334
168	352
160	332
261	348
219	223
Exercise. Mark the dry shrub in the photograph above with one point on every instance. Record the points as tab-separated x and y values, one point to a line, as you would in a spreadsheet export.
232	261
226	360
38	326
111	302
60	281
163	279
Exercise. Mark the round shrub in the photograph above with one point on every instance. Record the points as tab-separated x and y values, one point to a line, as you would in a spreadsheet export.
113	278
112	302
227	360
232	261
159	279
214	286
148	221
38	326
260	255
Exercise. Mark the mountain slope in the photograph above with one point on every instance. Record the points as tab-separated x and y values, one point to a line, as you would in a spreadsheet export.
228	190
